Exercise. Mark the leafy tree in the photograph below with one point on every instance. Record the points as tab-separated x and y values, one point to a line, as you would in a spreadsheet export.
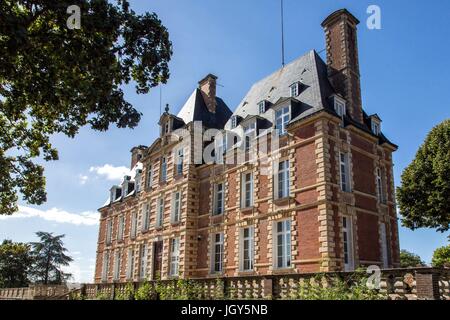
424	194
49	256
409	259
15	263
441	257
56	80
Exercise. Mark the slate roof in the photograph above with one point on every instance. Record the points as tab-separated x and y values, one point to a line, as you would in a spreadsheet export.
195	110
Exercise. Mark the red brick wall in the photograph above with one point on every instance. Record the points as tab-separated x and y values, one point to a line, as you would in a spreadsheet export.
368	238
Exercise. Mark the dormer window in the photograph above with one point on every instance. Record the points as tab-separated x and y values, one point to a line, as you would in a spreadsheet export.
376	127
339	107
262	107
295	89
233	122
116	193
282	118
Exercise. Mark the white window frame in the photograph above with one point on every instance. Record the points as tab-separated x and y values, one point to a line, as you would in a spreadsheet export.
233	122
180	160
109	227
105	265
160	213
143	261
348	246
376	126
340	108
282	179
262	106
294	89
149	176
174	257
219	198
379	184
284	115
176	207
284	235
249	135
163	169
130	263
247	255
117	264
121	227
134	222
247	188
384	245
217	256
146	217
344	172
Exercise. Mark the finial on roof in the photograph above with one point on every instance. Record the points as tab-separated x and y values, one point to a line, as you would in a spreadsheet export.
167	108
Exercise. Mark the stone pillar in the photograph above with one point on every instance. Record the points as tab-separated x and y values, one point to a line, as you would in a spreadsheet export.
427	285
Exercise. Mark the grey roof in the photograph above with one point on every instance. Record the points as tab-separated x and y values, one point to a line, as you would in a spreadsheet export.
195	110
309	70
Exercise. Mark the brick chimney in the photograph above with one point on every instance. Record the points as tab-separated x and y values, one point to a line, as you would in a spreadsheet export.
207	87
342	59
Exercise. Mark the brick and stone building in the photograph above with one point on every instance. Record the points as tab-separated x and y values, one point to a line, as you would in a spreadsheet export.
301	181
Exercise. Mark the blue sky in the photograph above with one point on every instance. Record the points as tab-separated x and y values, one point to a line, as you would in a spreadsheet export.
403	77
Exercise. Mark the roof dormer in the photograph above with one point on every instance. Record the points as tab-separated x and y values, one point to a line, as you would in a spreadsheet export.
115	193
375	124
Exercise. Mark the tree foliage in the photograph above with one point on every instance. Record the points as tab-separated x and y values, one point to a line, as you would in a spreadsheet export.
424	194
49	255
15	263
410	260
56	80
441	257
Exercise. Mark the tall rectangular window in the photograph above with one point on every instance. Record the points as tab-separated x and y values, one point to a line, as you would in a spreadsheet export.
339	107
130	264
283	179
283	243
121	228
174	256
176	206
143	261
146	217
282	117
160	213
344	171
249	134
134	217
247	190
117	260
108	232
163	169
149	176
380	186
105	265
180	159
294	89
347	237
384	246
217	252
262	107
218	198
247	249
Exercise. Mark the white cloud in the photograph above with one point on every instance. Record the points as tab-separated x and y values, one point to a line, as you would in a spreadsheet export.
83	179
110	172
87	218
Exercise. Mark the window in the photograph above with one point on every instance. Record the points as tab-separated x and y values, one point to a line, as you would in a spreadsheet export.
105	267
217	252
134	217
176	206
347	237
167	127
149	176
121	228
384	247
247	249
180	158
174	256
283	244
339	107
137	180
262	107
117	259
247	190
294	89
218	198
163	169
233	122
344	171
282	117
376	128
249	134
283	179
220	146
380	189
146	217
108	232
143	261
130	263
160	215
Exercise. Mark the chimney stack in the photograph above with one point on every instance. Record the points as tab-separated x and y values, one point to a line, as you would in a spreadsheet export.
342	59
207	87
137	153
